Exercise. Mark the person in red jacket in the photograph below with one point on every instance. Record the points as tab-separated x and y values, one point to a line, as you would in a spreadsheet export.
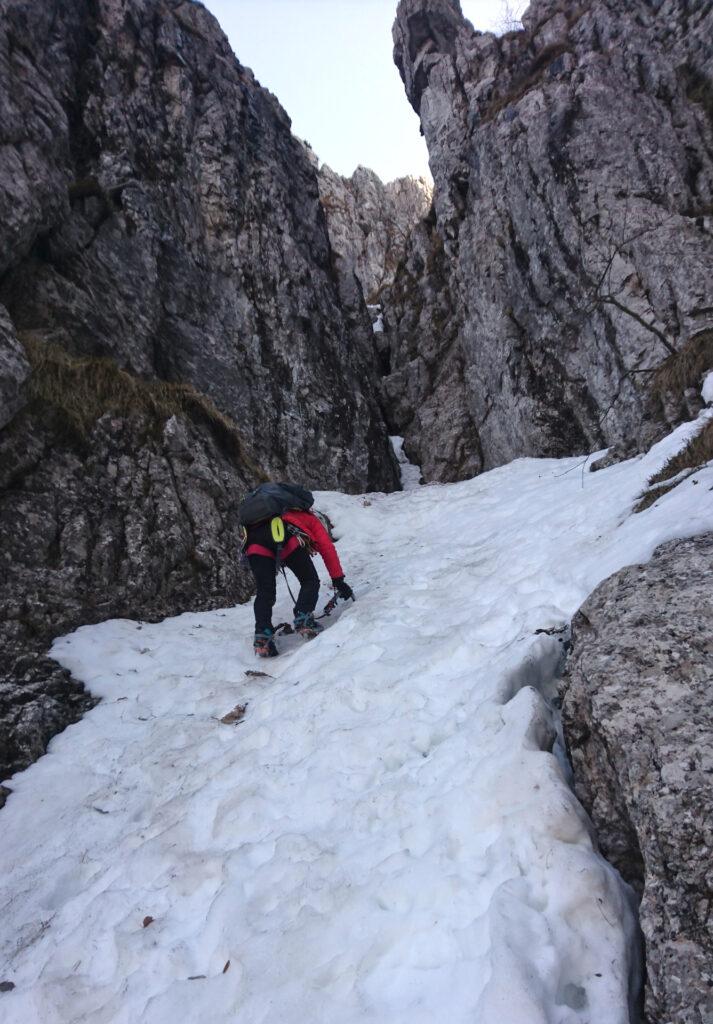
262	550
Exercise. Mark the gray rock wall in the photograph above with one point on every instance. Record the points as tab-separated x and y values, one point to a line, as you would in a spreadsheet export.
369	222
155	208
638	719
573	171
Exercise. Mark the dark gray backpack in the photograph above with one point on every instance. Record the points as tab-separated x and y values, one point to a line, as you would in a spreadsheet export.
270	500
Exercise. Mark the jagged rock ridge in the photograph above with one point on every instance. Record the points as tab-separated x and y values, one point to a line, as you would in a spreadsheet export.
160	227
638	721
573	173
370	222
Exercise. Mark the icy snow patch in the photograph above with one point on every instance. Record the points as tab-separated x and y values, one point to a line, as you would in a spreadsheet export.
707	389
385	836
410	474
377	319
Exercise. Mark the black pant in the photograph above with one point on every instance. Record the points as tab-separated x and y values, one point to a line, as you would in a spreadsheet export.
300	563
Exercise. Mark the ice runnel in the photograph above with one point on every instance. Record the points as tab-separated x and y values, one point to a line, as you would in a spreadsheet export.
410	474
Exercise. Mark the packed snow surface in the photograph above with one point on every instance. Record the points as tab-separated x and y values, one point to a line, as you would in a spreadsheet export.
385	835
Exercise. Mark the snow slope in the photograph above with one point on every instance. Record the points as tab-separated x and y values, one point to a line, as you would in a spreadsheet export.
385	836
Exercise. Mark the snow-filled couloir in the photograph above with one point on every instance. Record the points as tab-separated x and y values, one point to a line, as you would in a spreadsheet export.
385	836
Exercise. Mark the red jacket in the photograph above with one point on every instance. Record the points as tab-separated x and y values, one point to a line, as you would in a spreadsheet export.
309	524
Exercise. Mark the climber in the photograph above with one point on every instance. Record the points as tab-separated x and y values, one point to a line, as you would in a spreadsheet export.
268	548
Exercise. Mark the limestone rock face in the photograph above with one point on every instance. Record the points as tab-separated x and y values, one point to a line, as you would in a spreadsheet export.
155	208
157	220
638	721
573	172
369	222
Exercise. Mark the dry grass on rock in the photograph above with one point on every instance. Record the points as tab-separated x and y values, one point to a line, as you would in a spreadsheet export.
697	453
82	389
526	81
685	368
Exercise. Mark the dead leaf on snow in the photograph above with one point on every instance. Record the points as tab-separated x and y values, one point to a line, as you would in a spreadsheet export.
236	715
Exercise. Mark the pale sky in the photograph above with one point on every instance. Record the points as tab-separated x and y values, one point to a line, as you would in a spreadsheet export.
329	63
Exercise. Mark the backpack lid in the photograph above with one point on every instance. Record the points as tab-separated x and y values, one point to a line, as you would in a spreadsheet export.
272	499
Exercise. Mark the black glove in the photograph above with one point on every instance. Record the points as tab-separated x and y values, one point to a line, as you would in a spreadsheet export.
343	588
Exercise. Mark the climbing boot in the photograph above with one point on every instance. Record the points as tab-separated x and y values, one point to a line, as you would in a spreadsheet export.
264	644
306	626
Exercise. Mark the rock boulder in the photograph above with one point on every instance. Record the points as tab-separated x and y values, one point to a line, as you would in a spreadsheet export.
638	720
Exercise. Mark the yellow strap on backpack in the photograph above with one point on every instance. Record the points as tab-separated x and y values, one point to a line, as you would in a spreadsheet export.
277	529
